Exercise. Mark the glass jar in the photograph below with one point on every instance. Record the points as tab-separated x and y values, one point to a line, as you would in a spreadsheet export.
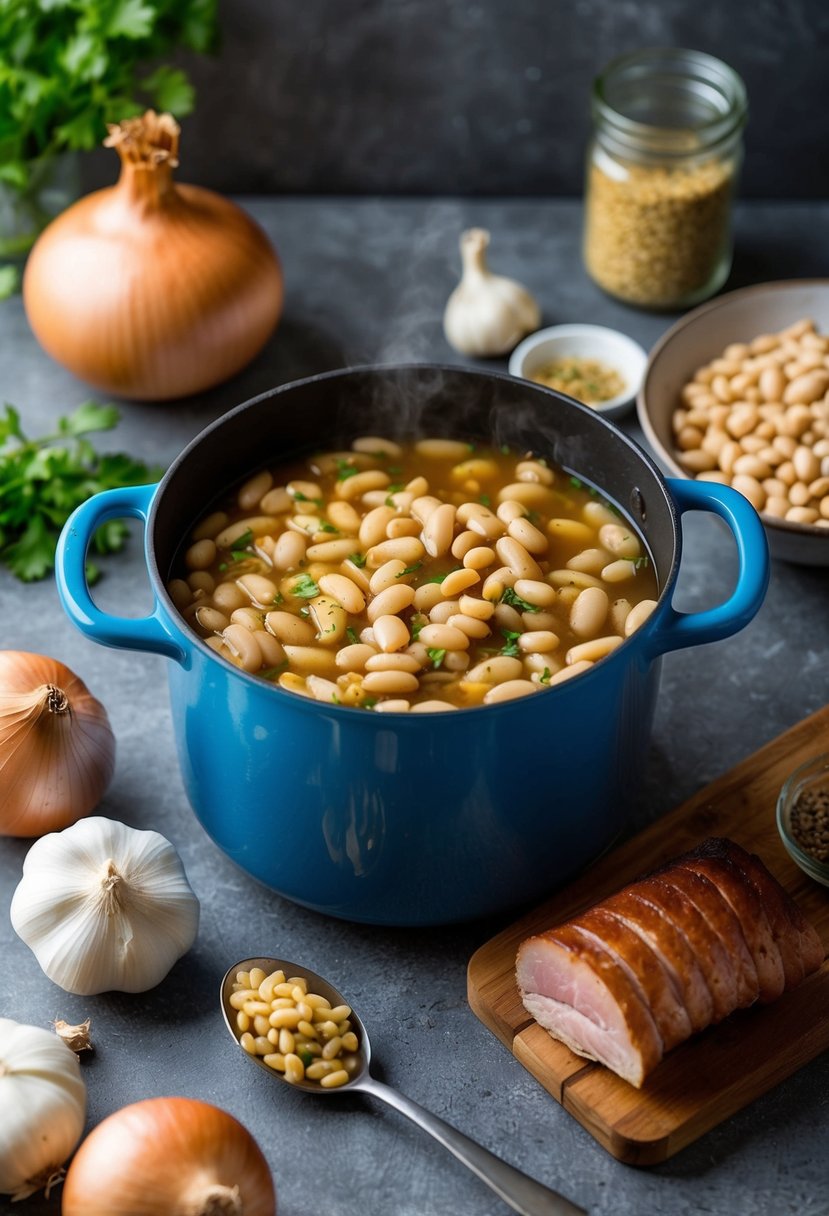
661	173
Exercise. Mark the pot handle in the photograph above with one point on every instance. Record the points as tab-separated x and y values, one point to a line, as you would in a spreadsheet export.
677	629
130	633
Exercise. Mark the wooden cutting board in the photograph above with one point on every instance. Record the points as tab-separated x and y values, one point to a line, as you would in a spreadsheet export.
718	1072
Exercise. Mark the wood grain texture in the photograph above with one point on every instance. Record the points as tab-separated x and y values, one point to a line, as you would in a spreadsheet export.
721	1070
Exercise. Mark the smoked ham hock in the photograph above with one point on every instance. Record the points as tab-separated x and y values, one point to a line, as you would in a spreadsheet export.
635	975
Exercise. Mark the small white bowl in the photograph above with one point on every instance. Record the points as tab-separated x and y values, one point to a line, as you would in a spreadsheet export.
610	347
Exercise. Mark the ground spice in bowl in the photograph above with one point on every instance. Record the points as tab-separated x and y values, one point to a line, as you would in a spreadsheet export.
809	822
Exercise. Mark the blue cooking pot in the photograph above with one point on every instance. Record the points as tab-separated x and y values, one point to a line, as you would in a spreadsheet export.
412	819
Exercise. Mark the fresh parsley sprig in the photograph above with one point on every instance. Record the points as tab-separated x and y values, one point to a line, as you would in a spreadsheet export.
43	480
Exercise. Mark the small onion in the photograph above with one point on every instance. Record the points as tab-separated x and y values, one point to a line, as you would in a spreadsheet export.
169	1157
57	749
151	289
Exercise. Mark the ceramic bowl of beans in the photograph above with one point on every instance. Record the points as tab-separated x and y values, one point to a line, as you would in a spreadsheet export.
414	617
803	818
737	393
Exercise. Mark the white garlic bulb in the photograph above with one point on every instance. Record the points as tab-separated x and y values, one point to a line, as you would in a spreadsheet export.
42	1108
105	907
487	314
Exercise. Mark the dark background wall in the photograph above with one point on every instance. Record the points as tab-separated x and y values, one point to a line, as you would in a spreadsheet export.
482	97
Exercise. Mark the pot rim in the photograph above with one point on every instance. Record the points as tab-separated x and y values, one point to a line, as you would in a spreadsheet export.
620	654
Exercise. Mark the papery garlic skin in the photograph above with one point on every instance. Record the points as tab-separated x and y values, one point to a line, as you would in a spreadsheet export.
42	1107
105	907
487	314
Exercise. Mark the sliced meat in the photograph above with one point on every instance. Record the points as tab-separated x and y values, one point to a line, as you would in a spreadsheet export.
579	992
717	911
751	914
707	947
645	969
800	946
662	935
665	957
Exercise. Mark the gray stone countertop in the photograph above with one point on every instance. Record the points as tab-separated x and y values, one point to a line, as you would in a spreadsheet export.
366	282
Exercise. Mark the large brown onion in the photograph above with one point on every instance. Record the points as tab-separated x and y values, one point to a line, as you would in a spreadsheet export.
151	289
57	749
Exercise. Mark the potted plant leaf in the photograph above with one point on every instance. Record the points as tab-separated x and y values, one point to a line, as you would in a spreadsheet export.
69	67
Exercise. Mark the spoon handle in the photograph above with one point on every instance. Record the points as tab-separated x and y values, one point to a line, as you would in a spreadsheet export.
522	1193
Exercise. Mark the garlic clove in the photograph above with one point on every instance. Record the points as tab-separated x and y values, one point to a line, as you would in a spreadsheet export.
105	907
486	315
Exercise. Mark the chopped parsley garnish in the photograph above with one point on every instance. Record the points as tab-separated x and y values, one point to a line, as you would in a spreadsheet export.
270	672
367	703
436	654
439	578
577	482
417	622
511	597
223	566
279	598
394	469
305	611
545	676
394	489
300	497
240	547
345	469
305	1055
325	526
352	635
305	587
484	500
510	649
409	570
357	559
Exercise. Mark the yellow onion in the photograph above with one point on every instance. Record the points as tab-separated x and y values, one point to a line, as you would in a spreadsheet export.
152	289
169	1157
57	749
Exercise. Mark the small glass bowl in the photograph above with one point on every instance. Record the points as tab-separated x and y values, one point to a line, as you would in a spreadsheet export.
813	775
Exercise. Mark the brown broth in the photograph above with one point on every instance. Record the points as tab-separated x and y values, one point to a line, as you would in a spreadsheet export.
294	625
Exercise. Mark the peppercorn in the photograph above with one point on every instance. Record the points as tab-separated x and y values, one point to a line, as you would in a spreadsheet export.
810	822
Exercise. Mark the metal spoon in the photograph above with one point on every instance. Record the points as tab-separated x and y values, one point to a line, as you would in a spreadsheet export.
522	1193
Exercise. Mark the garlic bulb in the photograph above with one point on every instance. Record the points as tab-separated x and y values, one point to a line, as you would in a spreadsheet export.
105	907
42	1108
57	749
486	314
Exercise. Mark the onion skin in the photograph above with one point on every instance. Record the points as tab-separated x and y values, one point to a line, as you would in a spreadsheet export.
57	749
150	289
169	1157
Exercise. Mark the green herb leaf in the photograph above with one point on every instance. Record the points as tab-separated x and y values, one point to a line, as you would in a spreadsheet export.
545	676
367	703
71	66
358	559
241	543
511	649
485	500
300	497
436	654
417	623
305	587
9	281
345	469
409	570
511	597
279	598
352	635
43	480
325	526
